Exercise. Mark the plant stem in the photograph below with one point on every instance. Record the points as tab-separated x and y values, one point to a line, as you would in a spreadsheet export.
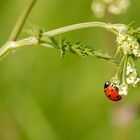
120	67
20	22
13	45
124	68
77	27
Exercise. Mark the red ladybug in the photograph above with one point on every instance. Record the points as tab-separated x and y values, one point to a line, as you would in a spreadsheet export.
111	92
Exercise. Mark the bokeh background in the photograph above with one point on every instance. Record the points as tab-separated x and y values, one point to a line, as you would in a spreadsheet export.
45	98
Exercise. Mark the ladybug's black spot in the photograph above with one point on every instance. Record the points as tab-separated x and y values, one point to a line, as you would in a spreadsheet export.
106	84
109	95
112	90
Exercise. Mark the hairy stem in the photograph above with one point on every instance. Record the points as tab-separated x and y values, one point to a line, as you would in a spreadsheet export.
20	22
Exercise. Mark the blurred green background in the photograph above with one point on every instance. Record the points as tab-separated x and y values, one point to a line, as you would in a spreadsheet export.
44	98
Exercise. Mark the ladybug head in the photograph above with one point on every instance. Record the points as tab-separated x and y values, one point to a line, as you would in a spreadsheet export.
106	84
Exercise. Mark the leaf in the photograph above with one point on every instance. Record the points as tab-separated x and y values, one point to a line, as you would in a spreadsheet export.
65	47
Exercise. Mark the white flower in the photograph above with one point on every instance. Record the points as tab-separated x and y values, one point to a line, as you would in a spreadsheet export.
115	7
129	69
107	1
98	9
129	39
128	44
123	89
115	81
118	6
131	72
130	80
136	82
135	44
136	52
122	28
120	38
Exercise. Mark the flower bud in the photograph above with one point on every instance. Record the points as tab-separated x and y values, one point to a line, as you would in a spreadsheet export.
123	89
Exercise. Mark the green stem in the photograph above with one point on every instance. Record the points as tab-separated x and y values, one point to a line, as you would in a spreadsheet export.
117	52
20	23
124	68
13	45
77	27
120	68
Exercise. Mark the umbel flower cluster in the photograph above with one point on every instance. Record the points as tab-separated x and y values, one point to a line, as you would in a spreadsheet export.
128	44
115	7
129	47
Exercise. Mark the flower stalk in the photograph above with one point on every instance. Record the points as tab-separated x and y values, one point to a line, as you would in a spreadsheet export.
21	21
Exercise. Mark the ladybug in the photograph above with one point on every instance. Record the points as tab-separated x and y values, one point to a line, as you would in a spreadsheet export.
111	92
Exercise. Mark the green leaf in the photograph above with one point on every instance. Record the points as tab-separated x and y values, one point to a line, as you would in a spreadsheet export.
65	47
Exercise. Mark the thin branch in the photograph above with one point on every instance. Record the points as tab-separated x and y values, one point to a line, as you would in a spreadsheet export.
76	27
124	68
21	21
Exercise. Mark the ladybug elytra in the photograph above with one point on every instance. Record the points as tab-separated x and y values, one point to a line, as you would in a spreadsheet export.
111	92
